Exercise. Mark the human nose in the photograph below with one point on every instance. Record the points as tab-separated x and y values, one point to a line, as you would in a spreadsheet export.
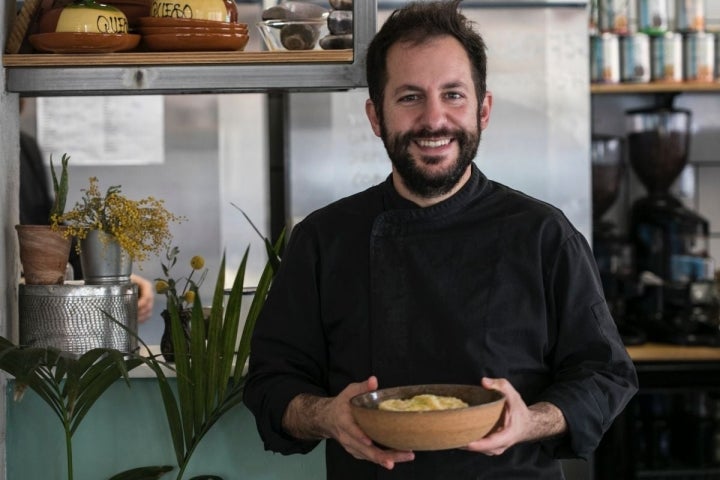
433	114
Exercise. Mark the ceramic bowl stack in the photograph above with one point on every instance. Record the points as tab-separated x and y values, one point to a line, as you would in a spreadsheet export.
83	27
133	10
200	25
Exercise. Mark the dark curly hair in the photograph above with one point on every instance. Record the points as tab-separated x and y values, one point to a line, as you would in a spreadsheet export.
415	23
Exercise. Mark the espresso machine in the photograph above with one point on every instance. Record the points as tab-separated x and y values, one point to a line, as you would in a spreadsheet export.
611	248
677	301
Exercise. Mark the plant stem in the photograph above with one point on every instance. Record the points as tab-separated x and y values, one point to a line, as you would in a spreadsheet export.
194	444
68	448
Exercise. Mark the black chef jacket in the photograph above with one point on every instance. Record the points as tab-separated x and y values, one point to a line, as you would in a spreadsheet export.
489	282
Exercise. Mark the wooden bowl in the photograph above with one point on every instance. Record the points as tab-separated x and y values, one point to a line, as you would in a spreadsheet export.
428	430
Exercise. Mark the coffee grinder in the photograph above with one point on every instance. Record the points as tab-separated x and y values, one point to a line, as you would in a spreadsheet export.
613	253
677	302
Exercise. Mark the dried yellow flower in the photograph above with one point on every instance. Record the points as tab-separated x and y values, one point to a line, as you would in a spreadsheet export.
182	297
197	262
189	297
141	227
161	286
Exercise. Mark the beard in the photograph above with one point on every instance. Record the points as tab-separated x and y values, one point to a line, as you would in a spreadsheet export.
418	181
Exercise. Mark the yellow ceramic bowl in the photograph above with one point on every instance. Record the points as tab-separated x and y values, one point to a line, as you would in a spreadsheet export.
97	18
217	10
428	430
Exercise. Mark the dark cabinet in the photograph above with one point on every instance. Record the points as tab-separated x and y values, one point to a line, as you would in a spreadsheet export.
671	429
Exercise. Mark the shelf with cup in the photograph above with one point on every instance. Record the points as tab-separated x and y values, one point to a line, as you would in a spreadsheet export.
136	73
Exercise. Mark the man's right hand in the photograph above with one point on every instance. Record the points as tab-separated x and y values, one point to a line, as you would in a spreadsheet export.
311	418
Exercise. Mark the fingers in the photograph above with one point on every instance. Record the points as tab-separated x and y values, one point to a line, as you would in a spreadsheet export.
146	297
357	443
505	433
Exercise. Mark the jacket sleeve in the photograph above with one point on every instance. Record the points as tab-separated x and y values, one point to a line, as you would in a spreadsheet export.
595	377
287	353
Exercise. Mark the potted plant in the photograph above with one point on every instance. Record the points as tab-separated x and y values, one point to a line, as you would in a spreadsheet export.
211	367
45	250
181	293
70	386
113	231
210	371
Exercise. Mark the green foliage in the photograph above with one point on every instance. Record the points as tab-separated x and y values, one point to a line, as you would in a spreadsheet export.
211	374
60	187
69	384
143	473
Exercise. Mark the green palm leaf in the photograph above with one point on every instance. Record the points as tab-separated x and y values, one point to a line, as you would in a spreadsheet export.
143	473
70	385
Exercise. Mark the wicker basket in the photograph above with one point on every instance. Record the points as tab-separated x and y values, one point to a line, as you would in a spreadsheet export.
75	317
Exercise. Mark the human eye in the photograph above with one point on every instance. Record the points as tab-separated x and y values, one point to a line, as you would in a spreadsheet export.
454	95
409	98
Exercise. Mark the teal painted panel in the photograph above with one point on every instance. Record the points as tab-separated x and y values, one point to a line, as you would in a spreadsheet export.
126	428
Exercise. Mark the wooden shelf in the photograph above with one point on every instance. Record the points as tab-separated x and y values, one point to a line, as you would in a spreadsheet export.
176	58
660	352
654	87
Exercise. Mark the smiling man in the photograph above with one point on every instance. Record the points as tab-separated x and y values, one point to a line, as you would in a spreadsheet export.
437	275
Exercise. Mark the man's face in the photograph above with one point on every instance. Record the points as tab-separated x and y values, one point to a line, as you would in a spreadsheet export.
430	122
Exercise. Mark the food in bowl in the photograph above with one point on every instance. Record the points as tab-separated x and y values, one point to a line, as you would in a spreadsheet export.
422	403
432	429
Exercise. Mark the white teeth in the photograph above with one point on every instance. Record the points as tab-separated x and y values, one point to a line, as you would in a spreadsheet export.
433	143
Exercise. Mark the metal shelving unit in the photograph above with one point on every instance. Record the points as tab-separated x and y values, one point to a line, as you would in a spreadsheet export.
139	73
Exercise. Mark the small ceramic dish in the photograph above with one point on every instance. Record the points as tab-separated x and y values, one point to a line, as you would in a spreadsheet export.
428	430
195	42
188	22
73	42
166	30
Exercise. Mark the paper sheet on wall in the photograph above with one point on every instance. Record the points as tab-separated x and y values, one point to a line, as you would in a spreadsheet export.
125	130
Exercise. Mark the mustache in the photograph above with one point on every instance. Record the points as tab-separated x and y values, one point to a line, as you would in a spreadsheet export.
427	133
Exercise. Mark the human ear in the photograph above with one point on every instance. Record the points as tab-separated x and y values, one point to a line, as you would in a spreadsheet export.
371	113
485	109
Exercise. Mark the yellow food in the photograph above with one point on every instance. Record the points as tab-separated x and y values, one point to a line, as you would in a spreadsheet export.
422	403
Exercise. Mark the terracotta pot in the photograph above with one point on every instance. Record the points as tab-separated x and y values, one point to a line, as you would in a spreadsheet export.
44	254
